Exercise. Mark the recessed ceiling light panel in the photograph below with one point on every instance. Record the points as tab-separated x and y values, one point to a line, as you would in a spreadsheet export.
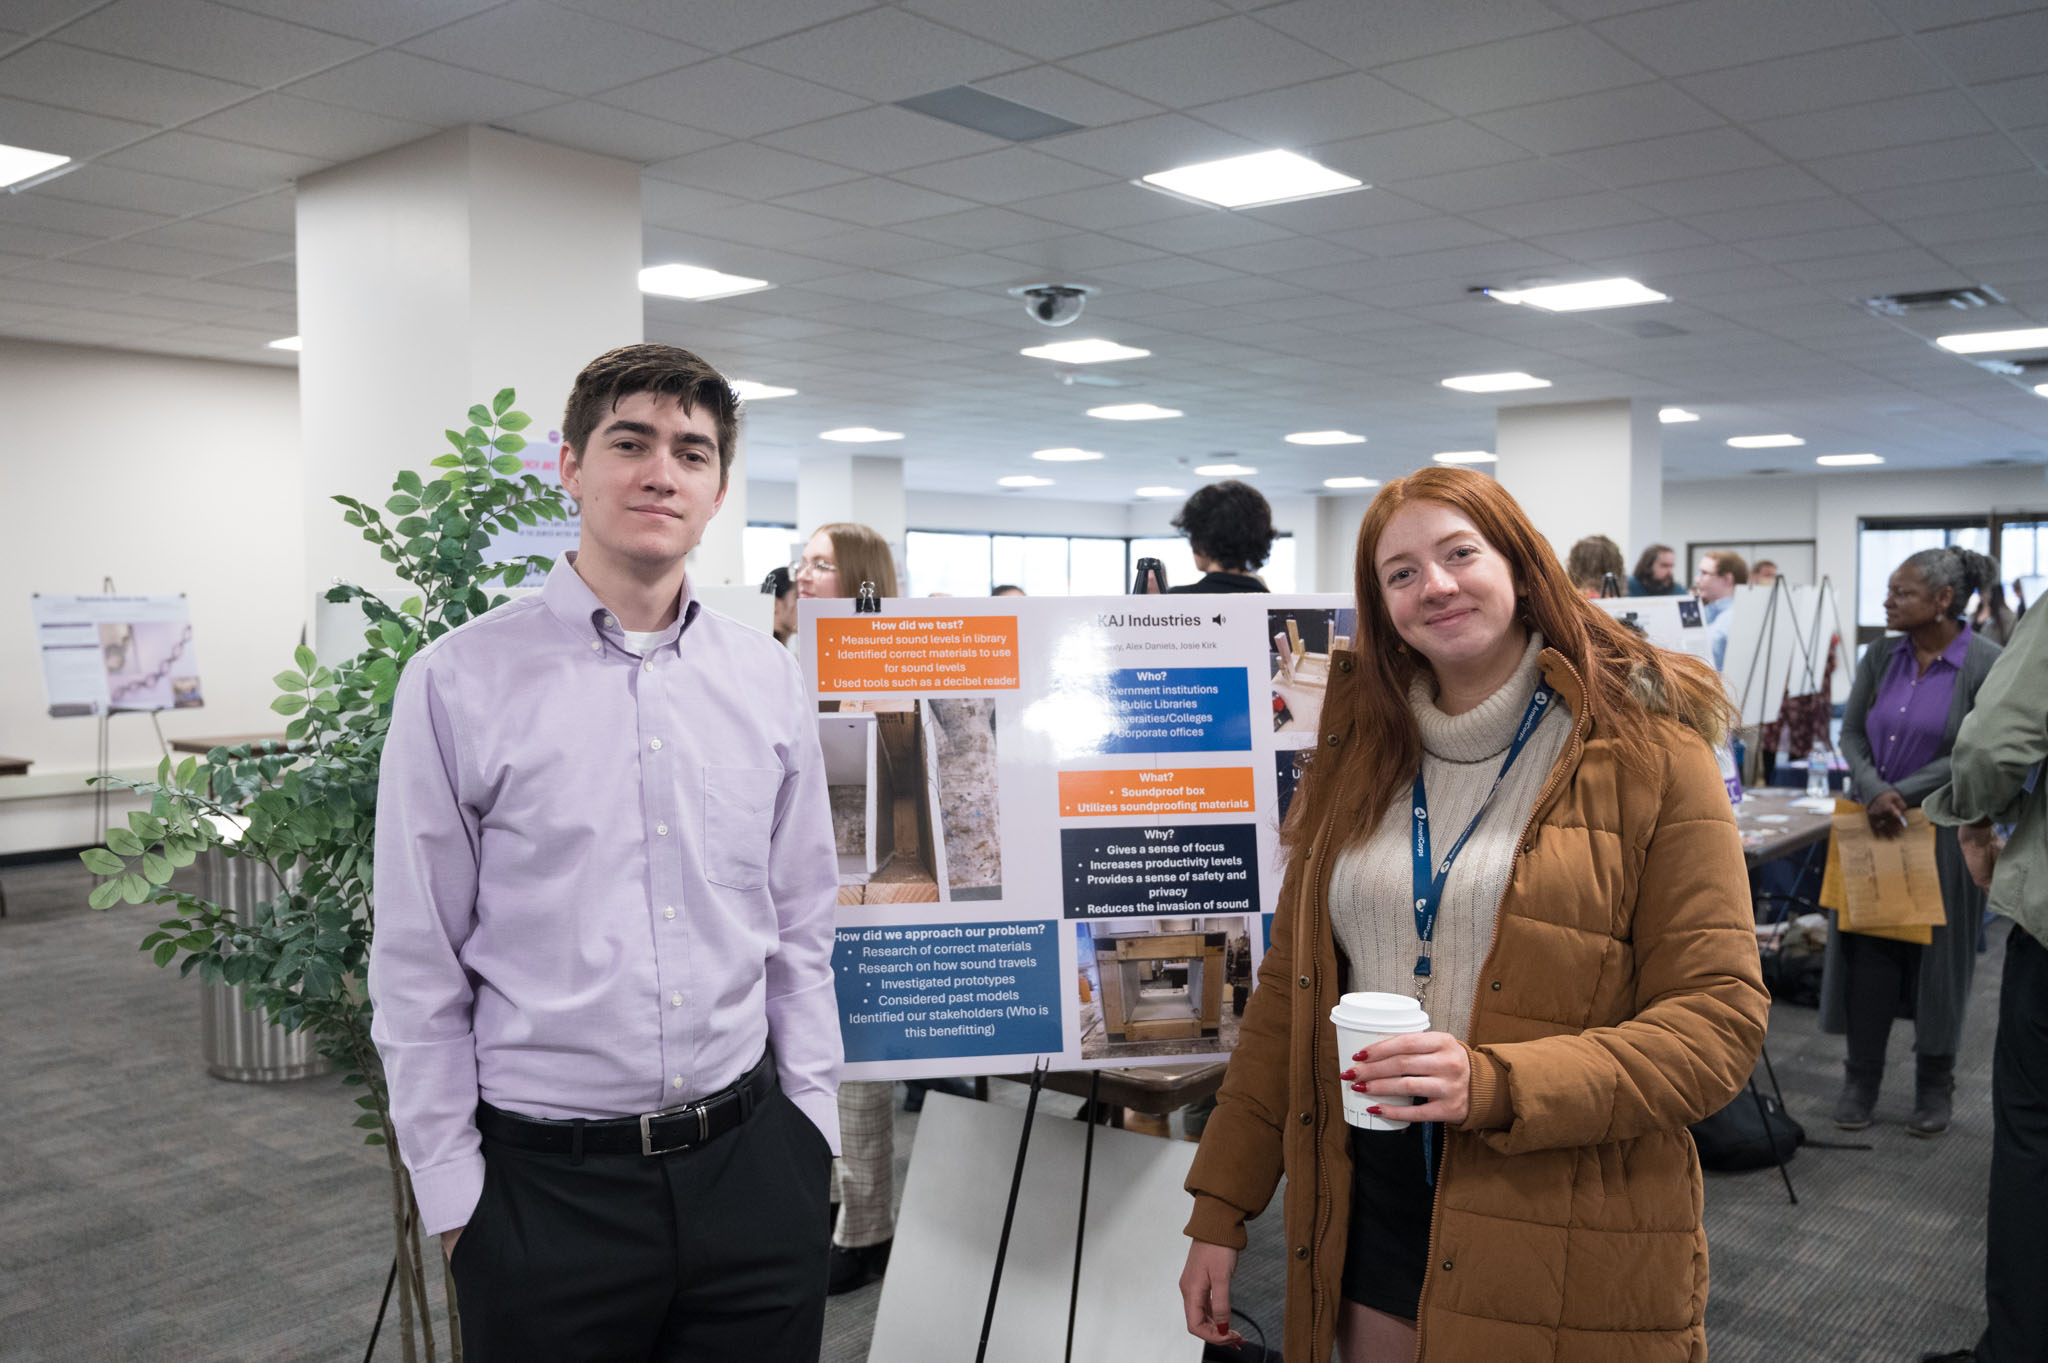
1508	382
1465	457
1161	492
1351	482
19	163
1093	351
1978	342
1764	442
859	435
1024	480
697	283
746	390
1323	438
1134	411
1225	470
1672	416
1263	177
1839	461
1066	454
286	343
1582	297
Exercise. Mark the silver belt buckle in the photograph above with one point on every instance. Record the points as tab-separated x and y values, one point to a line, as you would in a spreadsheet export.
647	1132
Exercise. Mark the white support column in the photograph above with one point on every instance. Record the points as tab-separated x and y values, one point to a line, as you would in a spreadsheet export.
1586	468
433	275
864	488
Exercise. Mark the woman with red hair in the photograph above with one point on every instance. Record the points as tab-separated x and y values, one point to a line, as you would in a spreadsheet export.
1582	942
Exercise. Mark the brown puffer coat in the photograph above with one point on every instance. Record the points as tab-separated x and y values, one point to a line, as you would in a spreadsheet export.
1621	1001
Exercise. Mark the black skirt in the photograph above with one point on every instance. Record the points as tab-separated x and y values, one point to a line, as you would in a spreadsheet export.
1387	1251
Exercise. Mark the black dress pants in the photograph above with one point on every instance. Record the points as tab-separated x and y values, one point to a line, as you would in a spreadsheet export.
2016	1241
716	1254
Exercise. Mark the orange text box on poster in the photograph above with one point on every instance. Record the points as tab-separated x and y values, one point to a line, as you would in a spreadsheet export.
877	653
1148	791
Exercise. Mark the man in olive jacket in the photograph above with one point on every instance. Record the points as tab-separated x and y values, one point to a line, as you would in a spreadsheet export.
2003	740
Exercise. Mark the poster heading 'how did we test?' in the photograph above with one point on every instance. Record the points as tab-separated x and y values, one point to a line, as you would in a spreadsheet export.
911	653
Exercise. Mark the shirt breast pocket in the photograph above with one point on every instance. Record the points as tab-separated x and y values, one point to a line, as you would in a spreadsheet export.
739	814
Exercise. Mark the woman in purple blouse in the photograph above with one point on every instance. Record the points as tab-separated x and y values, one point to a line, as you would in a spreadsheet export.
1910	696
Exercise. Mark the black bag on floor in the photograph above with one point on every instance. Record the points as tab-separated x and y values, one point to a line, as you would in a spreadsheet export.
1733	1139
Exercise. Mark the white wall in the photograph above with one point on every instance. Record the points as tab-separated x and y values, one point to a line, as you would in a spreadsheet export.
168	475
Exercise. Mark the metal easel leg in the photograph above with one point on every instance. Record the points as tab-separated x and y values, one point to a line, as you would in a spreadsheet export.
995	1282
1081	1226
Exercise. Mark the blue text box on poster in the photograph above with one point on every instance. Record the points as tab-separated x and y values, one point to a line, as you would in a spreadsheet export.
1153	869
933	991
1177	709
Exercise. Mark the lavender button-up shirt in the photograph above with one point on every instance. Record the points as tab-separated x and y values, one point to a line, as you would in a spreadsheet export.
605	879
1909	713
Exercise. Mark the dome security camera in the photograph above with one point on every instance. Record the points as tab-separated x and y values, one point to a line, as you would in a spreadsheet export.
1053	305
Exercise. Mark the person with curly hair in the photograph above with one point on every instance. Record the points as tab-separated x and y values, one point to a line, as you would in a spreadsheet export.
1230	529
1590	563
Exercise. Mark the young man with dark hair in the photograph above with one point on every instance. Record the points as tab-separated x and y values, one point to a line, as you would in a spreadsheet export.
1230	530
1721	572
1656	573
605	891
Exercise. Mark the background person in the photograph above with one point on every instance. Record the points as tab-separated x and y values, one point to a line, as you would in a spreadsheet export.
1721	572
2002	741
1992	617
1619	1000
837	559
1008	589
1230	531
1909	699
1763	573
1656	573
780	585
1589	563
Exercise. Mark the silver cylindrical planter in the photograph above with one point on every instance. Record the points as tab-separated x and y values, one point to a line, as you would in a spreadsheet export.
237	1043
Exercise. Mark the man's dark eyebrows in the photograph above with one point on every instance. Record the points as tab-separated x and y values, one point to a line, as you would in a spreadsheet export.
630	427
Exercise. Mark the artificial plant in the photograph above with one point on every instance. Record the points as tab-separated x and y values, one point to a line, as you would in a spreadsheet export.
306	809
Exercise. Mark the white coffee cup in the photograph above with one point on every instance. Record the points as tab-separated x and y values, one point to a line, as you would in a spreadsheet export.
1362	1020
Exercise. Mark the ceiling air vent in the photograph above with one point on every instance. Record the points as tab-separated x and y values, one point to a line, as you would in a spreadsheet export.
1933	300
2025	366
985	113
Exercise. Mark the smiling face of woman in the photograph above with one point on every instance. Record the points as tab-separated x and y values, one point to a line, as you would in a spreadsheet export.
1449	593
817	574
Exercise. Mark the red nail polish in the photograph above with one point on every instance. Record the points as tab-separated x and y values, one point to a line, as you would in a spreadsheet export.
1362	1055
1372	1112
1348	1074
1358	1087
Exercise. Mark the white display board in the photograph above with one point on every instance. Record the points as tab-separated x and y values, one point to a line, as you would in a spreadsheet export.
1674	622
1062	840
106	653
1778	643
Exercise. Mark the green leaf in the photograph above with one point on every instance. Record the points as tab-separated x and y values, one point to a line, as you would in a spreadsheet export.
163	953
134	888
122	841
515	574
412	525
412	606
105	896
180	854
382	670
511	444
289	681
437	492
155	869
306	659
393	634
447	461
101	862
401	503
525	514
480	415
370	1121
514	421
407	481
187	773
289	704
298	727
502	403
507	463
145	826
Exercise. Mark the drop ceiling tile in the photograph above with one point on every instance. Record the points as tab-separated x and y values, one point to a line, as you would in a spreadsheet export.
1867	127
876	202
1997	252
1993	49
1416	234
1214	231
1805	246
1275	257
373	21
1537	68
1163	273
729	96
1954	159
586	125
2021	103
236	296
1109	206
55	73
105	278
1620	248
140	192
1054	90
761	224
1909	202
970	270
1600	119
281	275
190	156
883	139
1320	111
985	229
1707	34
1146	145
23	291
872	285
1410	153
1005	176
718	24
1578	213
267	213
885	54
874	248
220	239
1342	212
1059	257
750	171
325	131
1771	220
1395	30
1525	181
1710	151
163	260
1976	225
1051	29
574	53
1734	189
1818	80
1235	56
210	40
401	85
1880	272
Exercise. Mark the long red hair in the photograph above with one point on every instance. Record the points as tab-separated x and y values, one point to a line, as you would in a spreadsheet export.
1624	672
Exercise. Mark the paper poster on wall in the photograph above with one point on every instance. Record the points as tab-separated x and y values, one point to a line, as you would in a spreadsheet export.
1678	623
549	539
1057	820
103	653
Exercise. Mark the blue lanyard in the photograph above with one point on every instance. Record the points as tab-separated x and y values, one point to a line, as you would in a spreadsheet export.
1431	877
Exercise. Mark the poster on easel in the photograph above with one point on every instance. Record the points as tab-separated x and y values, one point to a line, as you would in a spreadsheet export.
1678	623
1057	819
106	653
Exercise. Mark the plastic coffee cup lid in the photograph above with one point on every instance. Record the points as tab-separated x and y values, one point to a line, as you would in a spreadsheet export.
1379	1013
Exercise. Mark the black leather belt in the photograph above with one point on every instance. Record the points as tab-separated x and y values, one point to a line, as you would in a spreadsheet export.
650	1133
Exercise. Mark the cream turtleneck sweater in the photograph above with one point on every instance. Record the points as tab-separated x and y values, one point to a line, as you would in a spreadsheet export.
1372	901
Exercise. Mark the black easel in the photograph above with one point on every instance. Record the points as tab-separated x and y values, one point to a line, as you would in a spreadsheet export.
995	1281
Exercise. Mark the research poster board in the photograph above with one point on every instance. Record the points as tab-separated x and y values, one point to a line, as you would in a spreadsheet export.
1057	819
104	653
1674	622
549	539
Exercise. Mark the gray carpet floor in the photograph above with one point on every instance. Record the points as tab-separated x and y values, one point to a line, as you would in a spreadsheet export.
148	1212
